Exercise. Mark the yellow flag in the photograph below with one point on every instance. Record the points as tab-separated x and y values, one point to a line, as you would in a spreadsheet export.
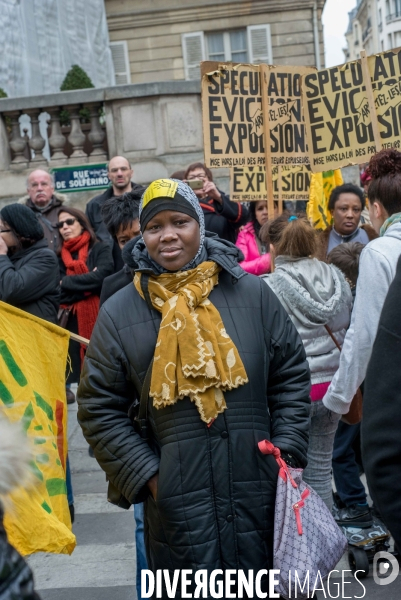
321	186
33	356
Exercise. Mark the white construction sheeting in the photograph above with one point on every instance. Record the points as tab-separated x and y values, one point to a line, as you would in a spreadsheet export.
41	39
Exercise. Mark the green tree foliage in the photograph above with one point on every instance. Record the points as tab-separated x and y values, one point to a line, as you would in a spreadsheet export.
76	79
3	94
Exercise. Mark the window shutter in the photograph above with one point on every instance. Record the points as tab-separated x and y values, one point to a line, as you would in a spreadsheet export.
260	44
119	54
193	50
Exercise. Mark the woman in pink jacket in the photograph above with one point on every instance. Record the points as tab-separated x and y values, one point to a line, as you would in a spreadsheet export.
257	257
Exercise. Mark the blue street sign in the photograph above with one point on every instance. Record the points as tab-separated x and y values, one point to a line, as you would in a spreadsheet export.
82	178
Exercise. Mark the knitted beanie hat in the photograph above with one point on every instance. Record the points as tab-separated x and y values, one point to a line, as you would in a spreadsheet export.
23	221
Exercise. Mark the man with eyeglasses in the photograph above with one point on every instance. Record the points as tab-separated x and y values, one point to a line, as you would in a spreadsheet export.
45	203
120	173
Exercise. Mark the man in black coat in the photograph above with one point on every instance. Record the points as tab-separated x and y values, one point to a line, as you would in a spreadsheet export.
381	423
29	273
120	173
45	203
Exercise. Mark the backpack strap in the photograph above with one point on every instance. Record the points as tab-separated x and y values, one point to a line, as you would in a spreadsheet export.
327	328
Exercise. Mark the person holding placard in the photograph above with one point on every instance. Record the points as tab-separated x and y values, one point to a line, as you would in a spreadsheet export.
256	254
221	215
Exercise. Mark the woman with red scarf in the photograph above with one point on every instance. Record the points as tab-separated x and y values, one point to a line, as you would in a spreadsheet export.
84	263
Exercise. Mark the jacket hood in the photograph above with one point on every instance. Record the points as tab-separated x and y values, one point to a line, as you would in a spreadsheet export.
59	200
394	231
222	252
14	456
313	291
127	255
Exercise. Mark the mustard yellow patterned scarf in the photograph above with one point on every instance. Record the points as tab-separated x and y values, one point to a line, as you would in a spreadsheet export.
194	355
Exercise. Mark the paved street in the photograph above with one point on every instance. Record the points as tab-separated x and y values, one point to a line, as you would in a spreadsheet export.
102	566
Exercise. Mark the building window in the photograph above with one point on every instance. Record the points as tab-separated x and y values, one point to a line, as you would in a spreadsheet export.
252	45
120	57
230	46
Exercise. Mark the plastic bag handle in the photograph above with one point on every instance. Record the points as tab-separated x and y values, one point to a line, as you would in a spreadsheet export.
266	447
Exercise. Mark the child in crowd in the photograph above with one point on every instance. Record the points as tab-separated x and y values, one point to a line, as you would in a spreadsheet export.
121	217
352	508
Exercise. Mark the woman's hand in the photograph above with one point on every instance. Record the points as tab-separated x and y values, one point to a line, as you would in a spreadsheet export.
211	190
3	247
152	485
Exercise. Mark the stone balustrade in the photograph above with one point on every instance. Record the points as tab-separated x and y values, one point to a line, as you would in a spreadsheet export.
156	126
53	145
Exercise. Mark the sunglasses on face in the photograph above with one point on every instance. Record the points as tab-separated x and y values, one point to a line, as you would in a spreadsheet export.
68	222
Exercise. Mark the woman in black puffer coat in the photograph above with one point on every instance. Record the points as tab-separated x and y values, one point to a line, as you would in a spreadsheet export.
209	492
29	274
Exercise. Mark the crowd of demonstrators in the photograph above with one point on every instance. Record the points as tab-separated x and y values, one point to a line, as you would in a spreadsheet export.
120	174
256	369
346	204
295	350
29	274
45	203
221	215
318	300
84	262
256	253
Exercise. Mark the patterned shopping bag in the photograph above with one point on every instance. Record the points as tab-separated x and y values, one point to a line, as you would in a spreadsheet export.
308	543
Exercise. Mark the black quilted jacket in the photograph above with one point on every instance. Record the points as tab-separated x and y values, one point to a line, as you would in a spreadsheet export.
216	492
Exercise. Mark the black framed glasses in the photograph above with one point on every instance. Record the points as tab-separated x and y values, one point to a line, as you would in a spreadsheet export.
68	222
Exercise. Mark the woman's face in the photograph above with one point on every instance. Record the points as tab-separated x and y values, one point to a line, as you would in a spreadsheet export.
172	239
347	213
261	212
9	237
71	227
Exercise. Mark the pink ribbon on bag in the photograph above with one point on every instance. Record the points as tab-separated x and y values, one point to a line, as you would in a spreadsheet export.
266	447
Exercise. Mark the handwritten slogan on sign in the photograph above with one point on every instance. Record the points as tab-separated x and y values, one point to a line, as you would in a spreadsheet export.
247	184
233	123
340	118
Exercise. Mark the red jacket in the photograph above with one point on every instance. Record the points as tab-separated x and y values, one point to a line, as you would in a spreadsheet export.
254	262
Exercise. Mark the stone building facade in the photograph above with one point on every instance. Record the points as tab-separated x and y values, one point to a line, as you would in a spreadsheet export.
163	40
374	25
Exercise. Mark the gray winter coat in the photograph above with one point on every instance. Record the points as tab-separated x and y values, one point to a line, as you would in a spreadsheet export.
314	294
216	492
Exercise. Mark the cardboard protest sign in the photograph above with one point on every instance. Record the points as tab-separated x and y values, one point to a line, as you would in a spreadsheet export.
233	124
385	73
247	184
352	110
232	115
